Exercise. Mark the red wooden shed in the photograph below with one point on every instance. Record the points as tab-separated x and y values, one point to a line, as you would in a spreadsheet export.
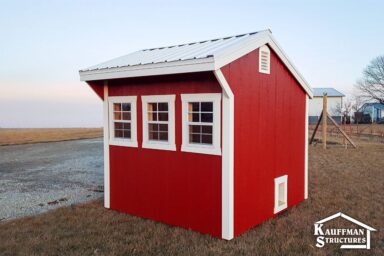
209	136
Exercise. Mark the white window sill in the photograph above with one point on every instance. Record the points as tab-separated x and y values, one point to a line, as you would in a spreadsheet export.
123	143
200	149
159	145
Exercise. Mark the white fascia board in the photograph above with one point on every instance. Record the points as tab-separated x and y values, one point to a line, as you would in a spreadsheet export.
164	68
288	63
231	54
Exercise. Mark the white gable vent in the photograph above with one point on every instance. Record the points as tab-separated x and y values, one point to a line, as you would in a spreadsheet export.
264	59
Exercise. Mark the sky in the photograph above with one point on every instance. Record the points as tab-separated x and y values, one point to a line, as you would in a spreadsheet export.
43	44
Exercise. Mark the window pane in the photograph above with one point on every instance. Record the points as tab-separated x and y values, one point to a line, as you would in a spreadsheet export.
206	139
117	115
126	106
194	138
127	134
127	126
152	106
163	116
206	106
126	115
153	127
163	107
195	117
163	136
195	106
207	129
152	116
195	129
116	106
118	133
163	127
207	117
153	136
118	125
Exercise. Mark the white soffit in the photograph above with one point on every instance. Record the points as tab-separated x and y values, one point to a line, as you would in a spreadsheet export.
208	55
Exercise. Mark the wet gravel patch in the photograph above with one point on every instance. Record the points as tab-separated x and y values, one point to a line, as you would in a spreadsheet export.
35	178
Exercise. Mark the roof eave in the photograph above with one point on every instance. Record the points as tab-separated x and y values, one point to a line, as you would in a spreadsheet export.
164	68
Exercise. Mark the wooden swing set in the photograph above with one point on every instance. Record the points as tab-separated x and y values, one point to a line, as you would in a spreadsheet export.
324	116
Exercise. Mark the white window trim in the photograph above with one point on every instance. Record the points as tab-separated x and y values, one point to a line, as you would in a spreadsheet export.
278	181
170	145
121	141
265	48
215	148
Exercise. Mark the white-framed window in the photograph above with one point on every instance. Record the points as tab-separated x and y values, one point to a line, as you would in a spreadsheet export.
159	122
264	59
201	123
122	121
281	190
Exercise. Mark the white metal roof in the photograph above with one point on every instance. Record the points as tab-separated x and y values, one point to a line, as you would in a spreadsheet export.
199	56
182	52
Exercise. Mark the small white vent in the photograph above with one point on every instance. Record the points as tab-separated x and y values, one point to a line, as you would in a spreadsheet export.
264	59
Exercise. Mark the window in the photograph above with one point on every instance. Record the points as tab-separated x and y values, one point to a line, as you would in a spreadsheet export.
159	122
122	116
201	123
264	59
281	188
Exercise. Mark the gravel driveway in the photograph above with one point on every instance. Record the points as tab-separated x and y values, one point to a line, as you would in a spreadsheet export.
38	177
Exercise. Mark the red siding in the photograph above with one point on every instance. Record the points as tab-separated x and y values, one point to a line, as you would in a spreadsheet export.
269	137
173	187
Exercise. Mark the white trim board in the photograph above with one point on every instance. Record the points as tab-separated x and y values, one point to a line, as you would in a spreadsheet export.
162	145
123	141
106	148
220	58
227	180
281	180
215	148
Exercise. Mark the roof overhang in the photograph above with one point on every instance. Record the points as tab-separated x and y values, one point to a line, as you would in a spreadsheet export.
218	60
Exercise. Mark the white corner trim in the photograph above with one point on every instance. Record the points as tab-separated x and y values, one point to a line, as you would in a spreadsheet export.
278	181
106	148
306	149
121	141
162	145
227	182
215	148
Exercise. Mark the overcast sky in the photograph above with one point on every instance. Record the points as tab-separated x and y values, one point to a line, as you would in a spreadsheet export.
43	44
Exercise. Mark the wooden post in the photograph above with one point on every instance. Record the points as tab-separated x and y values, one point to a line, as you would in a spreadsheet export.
324	120
317	126
345	126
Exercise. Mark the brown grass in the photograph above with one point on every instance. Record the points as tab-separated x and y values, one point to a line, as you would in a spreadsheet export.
349	180
35	135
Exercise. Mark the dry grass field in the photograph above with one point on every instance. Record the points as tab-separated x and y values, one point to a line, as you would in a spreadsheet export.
35	135
346	180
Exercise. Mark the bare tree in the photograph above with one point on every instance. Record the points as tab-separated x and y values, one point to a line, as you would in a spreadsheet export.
371	85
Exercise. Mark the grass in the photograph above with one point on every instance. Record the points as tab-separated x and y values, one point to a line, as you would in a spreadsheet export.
346	180
35	135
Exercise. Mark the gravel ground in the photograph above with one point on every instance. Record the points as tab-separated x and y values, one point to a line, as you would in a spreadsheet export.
38	177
